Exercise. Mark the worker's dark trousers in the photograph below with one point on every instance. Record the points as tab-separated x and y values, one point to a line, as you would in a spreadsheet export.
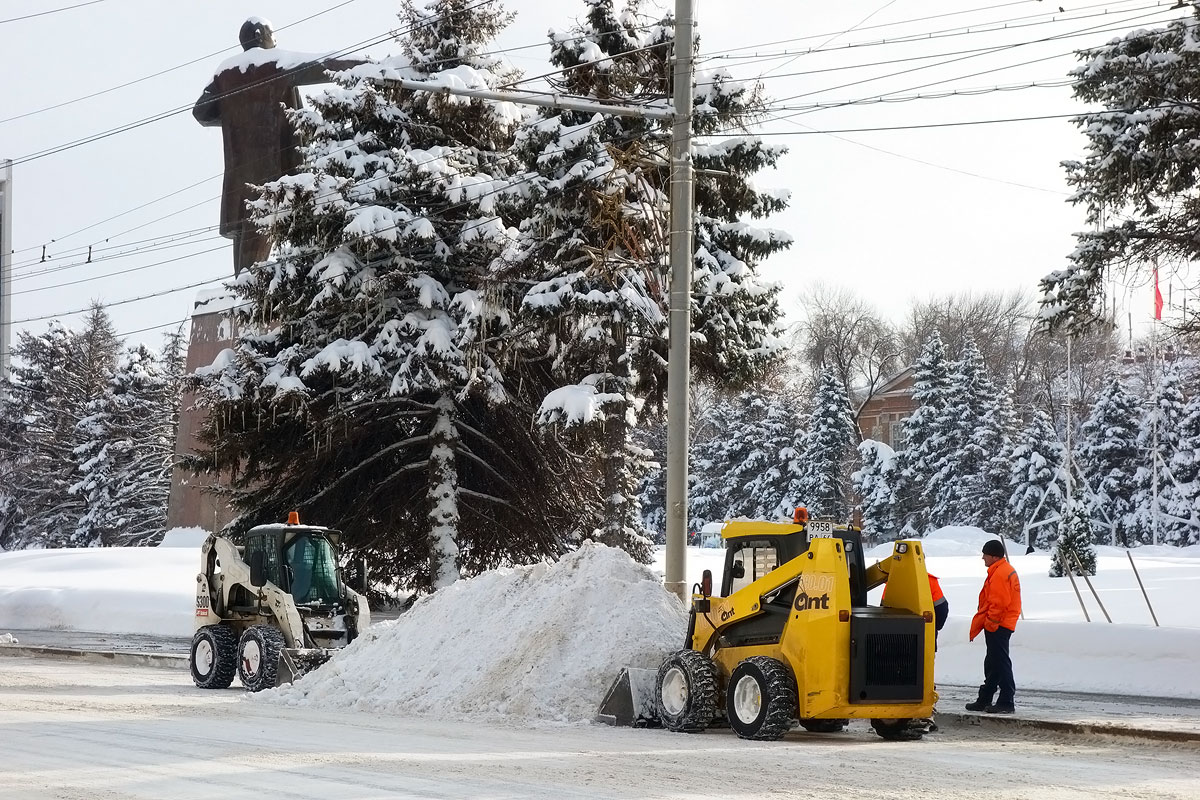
997	667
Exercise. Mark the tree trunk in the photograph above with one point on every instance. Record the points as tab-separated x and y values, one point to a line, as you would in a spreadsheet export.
442	497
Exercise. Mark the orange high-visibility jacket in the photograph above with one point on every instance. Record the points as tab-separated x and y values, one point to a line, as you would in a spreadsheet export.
999	600
935	589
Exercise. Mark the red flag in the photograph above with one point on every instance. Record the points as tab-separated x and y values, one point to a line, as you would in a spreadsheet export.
1157	297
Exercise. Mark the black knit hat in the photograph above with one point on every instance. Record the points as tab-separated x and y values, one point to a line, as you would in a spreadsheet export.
993	547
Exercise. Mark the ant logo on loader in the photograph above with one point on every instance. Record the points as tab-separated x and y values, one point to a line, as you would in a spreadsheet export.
804	602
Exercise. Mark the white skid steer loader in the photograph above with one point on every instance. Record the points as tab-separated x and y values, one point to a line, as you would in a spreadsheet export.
273	609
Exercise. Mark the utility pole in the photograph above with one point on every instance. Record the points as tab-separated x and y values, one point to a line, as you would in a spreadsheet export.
679	356
6	251
678	376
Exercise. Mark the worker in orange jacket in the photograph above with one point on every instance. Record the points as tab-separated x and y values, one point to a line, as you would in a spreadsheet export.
999	609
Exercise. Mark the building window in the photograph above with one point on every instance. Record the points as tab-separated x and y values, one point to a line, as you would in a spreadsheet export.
896	435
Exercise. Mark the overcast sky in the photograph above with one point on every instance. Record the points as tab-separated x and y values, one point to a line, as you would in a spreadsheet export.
893	214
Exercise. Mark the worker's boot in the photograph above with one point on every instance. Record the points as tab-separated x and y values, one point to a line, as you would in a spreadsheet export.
982	702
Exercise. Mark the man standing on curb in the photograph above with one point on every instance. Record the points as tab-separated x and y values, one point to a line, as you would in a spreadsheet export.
999	609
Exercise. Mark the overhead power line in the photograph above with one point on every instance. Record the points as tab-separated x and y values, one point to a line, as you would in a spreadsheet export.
997	49
995	26
168	69
172	112
506	186
51	11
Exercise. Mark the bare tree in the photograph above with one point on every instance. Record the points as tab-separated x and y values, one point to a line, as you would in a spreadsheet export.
846	335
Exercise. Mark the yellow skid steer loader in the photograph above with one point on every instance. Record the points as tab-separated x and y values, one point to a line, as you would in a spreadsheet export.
789	638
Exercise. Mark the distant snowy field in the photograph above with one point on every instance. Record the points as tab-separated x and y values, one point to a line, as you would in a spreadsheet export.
581	619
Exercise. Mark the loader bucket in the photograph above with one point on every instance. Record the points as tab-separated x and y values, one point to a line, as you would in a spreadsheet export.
630	700
296	662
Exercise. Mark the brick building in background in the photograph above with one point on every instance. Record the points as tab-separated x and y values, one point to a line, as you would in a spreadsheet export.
881	415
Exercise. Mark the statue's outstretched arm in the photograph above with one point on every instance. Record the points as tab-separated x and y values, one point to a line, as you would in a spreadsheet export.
207	110
315	72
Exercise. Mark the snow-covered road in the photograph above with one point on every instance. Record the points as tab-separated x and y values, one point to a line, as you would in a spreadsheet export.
70	730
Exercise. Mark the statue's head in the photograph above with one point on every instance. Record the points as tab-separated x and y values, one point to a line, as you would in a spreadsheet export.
256	32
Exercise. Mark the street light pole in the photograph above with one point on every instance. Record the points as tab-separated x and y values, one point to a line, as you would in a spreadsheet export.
6	250
679	357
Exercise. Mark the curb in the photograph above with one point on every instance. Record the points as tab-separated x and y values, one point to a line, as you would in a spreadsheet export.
164	660
1075	728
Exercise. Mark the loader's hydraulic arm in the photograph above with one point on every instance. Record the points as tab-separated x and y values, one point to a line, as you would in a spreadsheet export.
877	574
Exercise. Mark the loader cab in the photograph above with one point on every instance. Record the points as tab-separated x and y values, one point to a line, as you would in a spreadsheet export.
300	559
754	549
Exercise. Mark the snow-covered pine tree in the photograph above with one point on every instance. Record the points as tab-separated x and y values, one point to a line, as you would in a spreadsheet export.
1183	501
924	440
769	482
126	459
55	375
1157	437
751	467
873	484
1135	181
994	438
969	431
375	396
1107	454
594	235
711	457
1074	546
1037	479
826	451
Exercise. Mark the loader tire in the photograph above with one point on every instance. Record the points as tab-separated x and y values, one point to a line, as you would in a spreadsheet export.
214	657
686	692
897	730
824	725
258	657
761	699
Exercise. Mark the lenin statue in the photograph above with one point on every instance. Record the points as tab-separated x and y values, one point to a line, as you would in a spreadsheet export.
248	98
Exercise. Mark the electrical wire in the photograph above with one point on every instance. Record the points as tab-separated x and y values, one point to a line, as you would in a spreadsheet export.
832	38
218	175
1004	25
507	186
51	11
180	109
168	69
998	49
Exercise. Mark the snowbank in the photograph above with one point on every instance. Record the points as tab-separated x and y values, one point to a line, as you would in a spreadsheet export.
541	642
184	537
144	590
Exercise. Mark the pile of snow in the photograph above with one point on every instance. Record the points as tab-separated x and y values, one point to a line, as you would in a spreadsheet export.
184	537
953	540
541	642
7	638
144	590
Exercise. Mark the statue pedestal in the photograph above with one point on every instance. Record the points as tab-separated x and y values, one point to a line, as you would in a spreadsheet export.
189	505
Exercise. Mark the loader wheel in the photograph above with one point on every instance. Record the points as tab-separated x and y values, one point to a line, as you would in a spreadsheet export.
824	725
258	657
761	699
897	730
214	657
686	692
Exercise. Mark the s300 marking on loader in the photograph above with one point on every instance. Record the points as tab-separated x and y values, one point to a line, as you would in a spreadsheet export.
273	609
789	639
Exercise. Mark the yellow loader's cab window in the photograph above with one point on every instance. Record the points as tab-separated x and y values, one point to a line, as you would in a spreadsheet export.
748	560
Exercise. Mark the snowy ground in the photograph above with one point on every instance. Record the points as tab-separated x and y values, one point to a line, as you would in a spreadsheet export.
100	731
540	642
